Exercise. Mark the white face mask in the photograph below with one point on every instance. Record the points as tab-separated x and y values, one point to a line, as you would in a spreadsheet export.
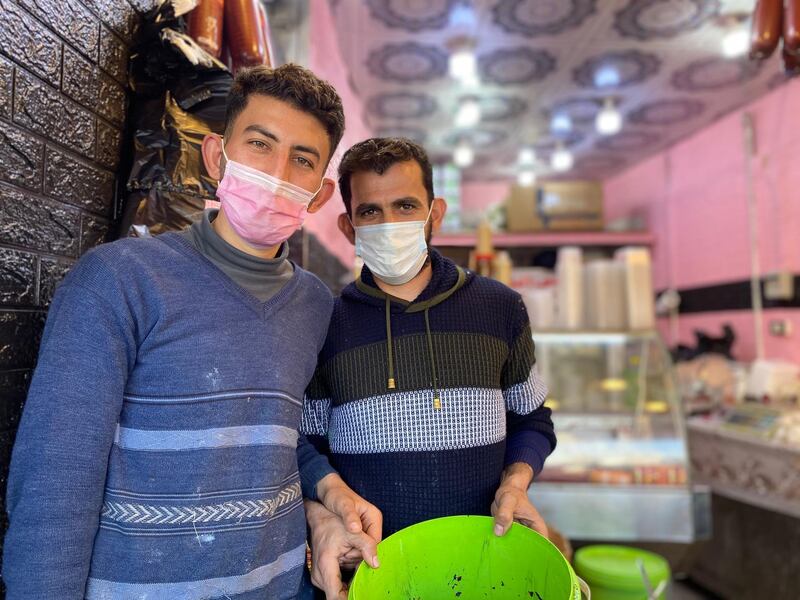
394	252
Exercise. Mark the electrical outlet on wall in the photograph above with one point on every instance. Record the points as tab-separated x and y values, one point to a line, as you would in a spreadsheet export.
779	286
780	327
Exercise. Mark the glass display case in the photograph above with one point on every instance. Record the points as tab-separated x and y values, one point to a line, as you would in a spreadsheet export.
620	471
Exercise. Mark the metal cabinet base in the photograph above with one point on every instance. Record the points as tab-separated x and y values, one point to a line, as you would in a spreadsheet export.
752	554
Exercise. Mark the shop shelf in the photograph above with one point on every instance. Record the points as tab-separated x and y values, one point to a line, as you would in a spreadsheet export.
550	239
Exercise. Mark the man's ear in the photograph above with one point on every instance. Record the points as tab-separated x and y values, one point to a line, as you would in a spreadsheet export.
324	194
212	155
346	227
438	211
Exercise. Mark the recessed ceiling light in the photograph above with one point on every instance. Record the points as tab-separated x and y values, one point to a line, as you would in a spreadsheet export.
561	123
606	77
736	43
462	65
609	119
526	157
463	155
468	114
526	178
561	159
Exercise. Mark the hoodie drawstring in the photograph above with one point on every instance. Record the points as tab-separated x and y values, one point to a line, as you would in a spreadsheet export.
425	306
390	384
437	401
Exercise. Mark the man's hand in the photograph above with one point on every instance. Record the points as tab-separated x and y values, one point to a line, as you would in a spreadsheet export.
356	513
331	546
511	501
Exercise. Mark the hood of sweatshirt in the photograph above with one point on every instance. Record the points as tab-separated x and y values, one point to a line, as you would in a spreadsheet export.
446	279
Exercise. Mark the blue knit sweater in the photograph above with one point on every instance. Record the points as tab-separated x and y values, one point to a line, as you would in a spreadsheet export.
421	405
157	455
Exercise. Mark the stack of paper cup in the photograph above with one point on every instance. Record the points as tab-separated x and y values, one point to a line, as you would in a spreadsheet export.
569	271
638	287
604	282
541	305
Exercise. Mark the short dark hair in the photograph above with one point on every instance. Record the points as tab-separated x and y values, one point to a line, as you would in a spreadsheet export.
293	84
377	155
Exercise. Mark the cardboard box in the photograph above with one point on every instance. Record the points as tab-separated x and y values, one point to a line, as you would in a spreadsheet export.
555	206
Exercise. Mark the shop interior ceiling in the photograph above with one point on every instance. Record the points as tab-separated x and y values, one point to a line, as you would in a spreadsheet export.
659	60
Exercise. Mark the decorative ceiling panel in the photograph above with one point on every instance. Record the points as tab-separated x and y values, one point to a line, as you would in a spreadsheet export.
659	60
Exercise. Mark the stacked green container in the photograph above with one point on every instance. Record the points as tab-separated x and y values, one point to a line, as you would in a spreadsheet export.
613	572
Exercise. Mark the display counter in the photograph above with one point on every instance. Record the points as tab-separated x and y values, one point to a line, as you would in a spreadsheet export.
755	480
620	471
740	460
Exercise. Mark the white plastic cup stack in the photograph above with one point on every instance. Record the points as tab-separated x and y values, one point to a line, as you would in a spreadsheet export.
569	271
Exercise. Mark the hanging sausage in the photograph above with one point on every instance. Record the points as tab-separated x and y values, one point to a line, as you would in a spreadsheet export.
205	25
766	28
791	27
791	64
243	33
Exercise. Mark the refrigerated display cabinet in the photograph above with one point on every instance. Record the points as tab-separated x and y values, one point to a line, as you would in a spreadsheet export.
620	471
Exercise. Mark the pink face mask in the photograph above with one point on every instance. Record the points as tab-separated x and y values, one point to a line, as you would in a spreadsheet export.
263	210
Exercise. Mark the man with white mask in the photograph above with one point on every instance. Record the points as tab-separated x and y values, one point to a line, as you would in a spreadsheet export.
158	454
426	398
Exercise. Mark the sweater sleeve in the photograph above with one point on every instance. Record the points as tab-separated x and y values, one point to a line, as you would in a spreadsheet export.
529	427
313	449
60	458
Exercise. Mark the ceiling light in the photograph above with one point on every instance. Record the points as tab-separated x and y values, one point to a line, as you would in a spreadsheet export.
606	76
609	119
469	113
526	178
561	123
471	83
736	43
463	155
463	15
462	65
561	159
526	157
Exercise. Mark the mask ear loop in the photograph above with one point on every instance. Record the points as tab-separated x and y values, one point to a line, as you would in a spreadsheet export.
430	210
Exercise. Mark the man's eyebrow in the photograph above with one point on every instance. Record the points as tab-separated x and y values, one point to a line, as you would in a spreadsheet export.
367	205
263	131
307	150
406	200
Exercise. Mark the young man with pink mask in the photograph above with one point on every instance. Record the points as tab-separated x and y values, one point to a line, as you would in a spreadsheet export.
158	454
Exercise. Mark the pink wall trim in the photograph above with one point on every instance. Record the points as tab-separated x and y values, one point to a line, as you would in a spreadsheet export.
325	60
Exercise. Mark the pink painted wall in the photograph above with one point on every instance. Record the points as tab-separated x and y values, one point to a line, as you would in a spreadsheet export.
477	197
694	196
325	60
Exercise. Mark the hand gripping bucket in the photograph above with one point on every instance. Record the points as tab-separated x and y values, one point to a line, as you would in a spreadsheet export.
461	558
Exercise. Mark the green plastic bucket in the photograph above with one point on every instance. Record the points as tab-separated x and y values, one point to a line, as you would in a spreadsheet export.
460	557
613	572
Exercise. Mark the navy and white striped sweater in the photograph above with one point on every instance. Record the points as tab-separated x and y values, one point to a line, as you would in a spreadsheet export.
475	355
157	455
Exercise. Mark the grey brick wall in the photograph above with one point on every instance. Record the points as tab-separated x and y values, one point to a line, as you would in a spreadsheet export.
63	103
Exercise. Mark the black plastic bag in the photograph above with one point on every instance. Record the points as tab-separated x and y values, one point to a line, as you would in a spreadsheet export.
179	97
